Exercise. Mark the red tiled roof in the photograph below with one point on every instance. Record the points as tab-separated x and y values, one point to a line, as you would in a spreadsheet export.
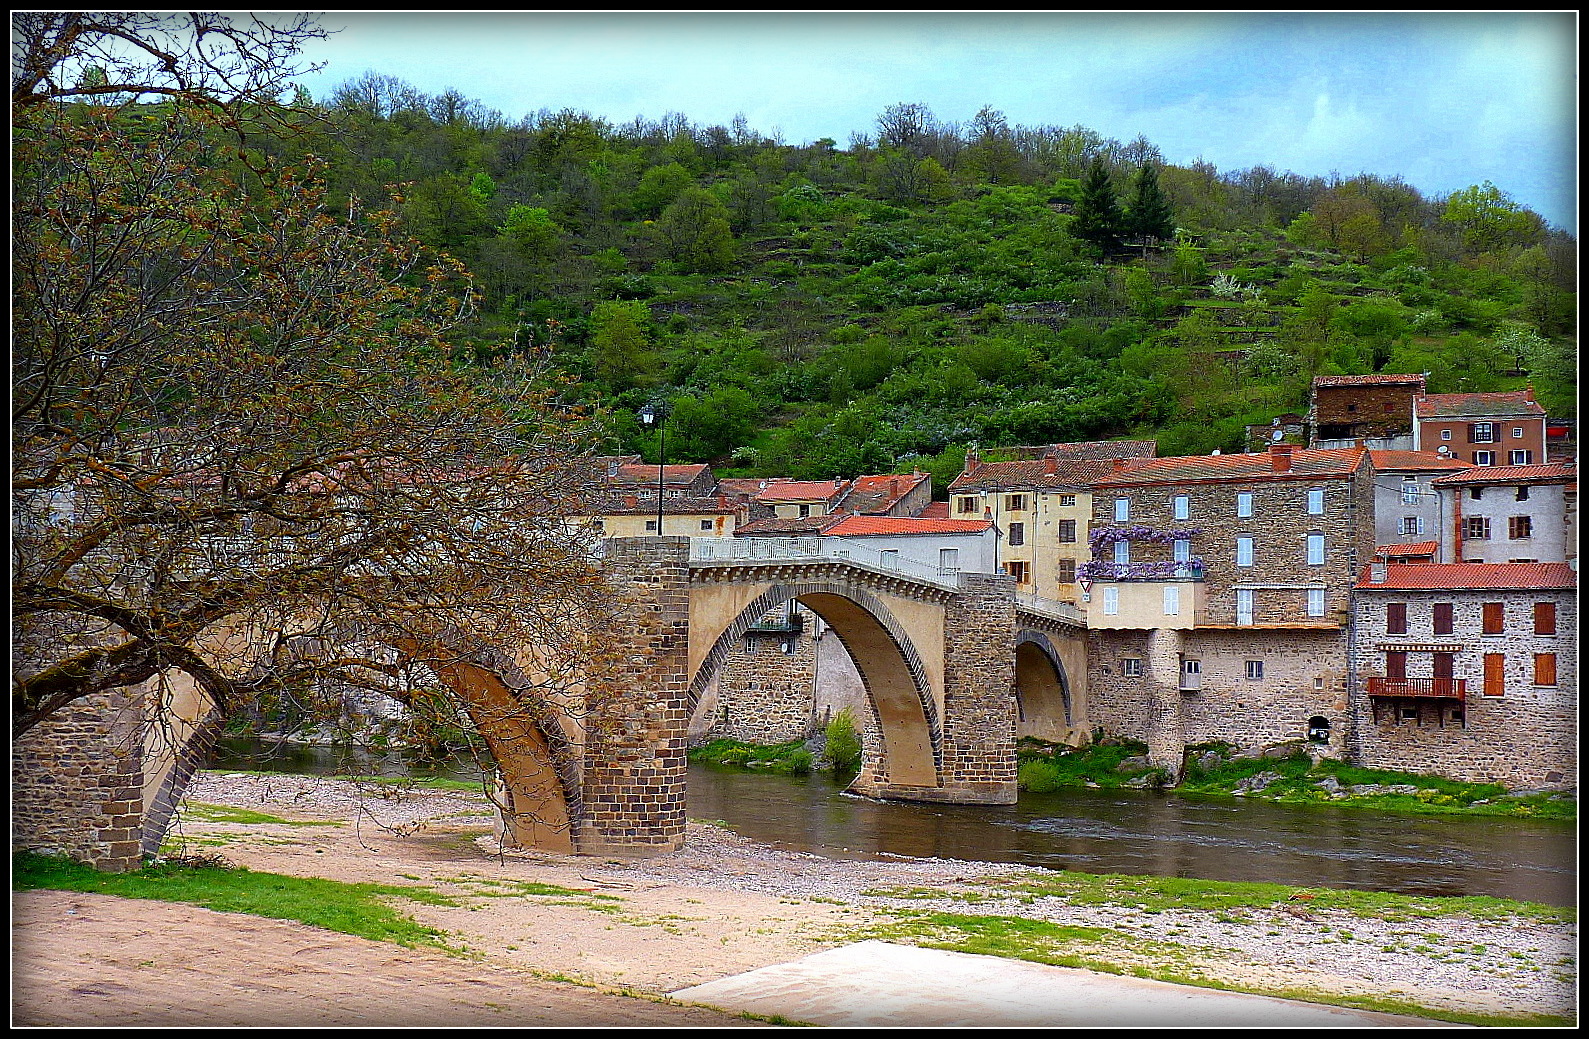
1067	472
786	526
1387	379
935	510
800	490
1096	449
878	493
1409	548
1477	405
1383	460
1456	576
870	526
1494	474
1305	465
647	474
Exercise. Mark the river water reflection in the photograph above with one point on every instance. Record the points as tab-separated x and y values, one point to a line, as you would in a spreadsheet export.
1121	831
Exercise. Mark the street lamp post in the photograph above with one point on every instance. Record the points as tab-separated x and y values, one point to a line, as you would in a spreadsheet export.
651	415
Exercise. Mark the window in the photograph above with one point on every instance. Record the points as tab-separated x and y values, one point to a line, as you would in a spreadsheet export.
1067	532
1476	493
1544	618
1517	432
1409	491
1255	669
1315	549
1484	458
1172	600
1519	528
1520	458
1111	601
1181	506
1412	524
1544	669
1481	432
1244	605
805	510
1478	528
1191	674
706	524
1021	571
1065	571
1122	510
948	560
1315	602
1395	618
1244	551
1443	618
1494	618
1131	667
1067	500
1017	533
1495	674
1316	501
1522	492
1396	665
1182	549
1122	552
1244	503
1445	434
966	504
1015	503
651	525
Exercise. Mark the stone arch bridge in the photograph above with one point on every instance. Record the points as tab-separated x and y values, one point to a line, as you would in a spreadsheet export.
955	667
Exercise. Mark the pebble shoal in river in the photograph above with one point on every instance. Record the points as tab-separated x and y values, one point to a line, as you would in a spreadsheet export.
1509	965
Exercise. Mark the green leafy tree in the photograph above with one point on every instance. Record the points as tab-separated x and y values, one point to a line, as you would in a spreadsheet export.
693	231
1489	219
1098	218
658	187
621	353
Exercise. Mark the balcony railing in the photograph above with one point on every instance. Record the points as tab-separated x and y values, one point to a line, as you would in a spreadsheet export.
1422	688
1160	570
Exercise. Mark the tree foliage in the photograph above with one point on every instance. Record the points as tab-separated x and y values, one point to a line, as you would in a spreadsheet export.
1099	219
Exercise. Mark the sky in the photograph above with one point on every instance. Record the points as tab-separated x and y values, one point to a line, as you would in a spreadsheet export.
1443	100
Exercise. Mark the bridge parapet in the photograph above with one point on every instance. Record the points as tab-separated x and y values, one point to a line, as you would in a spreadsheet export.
717	551
1065	613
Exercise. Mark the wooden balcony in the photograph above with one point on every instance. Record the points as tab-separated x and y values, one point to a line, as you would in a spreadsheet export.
1418	688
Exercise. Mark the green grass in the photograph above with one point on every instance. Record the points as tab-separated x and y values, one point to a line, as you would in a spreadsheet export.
790	758
356	909
198	811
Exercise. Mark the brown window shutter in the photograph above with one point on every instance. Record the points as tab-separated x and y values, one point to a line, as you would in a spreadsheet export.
1494	674
1544	618
1494	618
1544	669
1396	618
1443	618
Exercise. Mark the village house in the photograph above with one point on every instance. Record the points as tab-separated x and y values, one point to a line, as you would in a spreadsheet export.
896	494
1468	670
1042	508
1373	411
1482	428
1408	510
1219	594
801	498
1510	514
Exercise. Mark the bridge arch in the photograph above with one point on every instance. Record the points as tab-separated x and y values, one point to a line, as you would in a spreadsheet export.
904	740
1044	703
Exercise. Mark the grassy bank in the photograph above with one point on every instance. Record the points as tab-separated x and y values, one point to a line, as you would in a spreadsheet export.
1287	774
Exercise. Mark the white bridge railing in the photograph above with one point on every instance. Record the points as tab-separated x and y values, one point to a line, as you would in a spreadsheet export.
819	550
1054	608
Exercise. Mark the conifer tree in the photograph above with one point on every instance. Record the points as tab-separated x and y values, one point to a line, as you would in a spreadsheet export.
1098	216
1150	216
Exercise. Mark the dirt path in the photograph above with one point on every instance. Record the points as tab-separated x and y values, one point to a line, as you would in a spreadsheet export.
627	931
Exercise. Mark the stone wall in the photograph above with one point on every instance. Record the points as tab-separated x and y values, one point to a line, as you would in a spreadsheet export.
637	722
979	692
77	784
765	689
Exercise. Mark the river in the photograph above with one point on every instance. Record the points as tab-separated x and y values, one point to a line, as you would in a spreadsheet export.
1103	831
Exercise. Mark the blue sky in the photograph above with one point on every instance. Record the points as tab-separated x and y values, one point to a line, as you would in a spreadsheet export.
1444	100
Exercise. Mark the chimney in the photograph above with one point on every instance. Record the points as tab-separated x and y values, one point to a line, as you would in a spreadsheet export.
1378	571
1528	392
1280	458
1050	465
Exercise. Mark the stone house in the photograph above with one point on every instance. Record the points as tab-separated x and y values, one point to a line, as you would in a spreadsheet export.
1482	428
1219	596
1364	411
897	494
793	499
1042	508
1509	514
1407	508
947	546
1468	670
633	516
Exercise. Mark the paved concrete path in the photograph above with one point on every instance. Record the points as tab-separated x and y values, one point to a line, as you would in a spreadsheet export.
881	984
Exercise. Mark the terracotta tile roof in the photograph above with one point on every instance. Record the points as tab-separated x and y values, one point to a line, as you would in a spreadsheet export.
1489	475
879	493
786	526
800	490
1383	460
672	475
1336	463
1409	548
871	526
1049	472
935	510
1477	405
1386	379
1095	449
1457	576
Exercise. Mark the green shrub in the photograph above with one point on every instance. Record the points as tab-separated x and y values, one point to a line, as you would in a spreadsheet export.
844	743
